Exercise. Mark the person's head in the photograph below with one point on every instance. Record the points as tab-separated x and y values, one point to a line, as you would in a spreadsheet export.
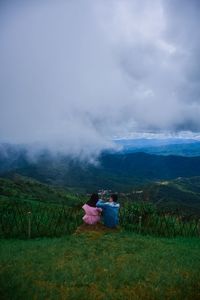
93	200
113	198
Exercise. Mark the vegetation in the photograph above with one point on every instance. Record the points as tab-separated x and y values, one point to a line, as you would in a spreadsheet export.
29	220
147	219
30	190
182	194
25	219
31	209
48	211
95	266
116	171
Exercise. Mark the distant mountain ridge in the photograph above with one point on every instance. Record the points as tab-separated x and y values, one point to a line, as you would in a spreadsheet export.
116	171
181	147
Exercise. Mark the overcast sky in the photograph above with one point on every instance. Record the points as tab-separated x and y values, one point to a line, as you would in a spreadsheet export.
76	74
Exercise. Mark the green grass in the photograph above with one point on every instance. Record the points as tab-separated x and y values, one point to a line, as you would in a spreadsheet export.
27	189
182	194
100	266
19	219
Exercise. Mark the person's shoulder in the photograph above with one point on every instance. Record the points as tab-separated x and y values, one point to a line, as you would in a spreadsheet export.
84	205
107	203
115	204
101	201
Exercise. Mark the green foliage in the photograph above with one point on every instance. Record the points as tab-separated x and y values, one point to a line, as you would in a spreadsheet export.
182	194
49	211
94	265
145	218
28	189
139	208
116	171
103	267
25	219
28	207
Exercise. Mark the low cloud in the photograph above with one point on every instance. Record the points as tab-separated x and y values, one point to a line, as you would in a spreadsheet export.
75	74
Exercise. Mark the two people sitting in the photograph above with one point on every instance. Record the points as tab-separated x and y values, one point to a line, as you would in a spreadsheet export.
95	207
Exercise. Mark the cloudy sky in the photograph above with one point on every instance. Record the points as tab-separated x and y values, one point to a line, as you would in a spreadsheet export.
76	74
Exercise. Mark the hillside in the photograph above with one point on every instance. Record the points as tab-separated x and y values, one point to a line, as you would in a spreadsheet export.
28	189
116	171
104	267
182	194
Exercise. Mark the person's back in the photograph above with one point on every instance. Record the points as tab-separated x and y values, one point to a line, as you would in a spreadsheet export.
92	213
110	211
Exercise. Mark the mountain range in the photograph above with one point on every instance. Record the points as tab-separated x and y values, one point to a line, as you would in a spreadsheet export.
168	181
170	146
116	171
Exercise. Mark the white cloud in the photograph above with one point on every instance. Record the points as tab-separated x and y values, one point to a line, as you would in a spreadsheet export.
77	73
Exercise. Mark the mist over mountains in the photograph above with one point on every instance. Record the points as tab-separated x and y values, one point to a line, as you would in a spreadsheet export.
75	74
117	171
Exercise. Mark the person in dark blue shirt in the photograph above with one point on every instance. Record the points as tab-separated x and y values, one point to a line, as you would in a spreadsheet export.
110	211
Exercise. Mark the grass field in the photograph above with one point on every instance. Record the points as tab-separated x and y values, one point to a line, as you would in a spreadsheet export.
100	266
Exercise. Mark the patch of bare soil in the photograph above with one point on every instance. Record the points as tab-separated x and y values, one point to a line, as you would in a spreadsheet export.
98	228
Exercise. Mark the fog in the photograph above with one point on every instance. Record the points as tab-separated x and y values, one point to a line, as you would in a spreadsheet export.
76	74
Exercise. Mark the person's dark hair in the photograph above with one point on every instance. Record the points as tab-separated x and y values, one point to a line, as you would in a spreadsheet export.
114	197
93	200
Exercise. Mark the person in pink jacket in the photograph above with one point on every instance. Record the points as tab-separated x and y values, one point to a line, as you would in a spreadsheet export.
92	213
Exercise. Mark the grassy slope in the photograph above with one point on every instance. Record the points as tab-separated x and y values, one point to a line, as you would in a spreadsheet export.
181	193
178	193
28	189
95	266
